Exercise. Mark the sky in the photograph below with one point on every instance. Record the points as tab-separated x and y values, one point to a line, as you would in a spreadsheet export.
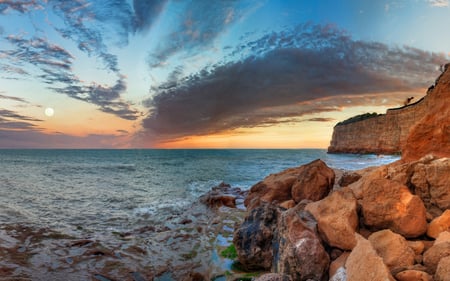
209	74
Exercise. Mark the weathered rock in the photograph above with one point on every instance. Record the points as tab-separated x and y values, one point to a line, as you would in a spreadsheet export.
431	134
389	204
442	237
439	224
413	275
299	252
222	195
430	182
364	264
337	218
348	178
443	270
273	277
433	255
253	239
393	248
338	263
312	181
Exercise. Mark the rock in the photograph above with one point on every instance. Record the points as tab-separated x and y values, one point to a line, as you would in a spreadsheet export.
413	275
337	218
312	181
417	246
298	251
273	277
338	263
433	255
443	270
431	134
439	224
393	248
288	204
430	182
442	237
364	264
340	275
222	195
348	178
253	238
389	204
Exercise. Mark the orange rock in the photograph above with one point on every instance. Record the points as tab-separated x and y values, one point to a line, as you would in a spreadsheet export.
338	263
417	246
393	248
433	255
439	224
312	181
413	275
364	264
337	218
389	204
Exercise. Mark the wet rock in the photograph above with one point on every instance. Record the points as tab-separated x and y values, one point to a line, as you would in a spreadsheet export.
222	195
364	264
273	277
389	204
443	270
348	178
413	275
312	181
253	238
439	224
393	248
298	250
337	218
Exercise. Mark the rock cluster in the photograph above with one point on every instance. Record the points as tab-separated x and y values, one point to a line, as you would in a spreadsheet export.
389	223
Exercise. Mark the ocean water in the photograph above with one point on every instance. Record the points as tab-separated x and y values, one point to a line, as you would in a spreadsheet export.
116	190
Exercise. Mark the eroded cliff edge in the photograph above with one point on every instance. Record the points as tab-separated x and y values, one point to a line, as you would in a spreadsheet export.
389	133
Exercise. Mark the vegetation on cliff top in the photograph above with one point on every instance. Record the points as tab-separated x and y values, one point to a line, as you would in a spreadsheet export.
358	118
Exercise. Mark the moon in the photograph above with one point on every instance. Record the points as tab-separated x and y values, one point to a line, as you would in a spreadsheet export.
49	111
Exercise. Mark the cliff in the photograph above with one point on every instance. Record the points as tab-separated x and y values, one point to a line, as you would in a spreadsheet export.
389	133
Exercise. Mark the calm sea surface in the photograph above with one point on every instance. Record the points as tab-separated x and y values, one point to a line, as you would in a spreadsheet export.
114	190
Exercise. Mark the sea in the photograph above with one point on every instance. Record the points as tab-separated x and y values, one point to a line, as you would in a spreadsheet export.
102	191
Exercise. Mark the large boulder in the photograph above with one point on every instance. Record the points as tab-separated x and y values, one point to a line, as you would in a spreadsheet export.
337	218
298	250
389	204
253	238
312	181
222	195
439	224
364	264
431	134
393	248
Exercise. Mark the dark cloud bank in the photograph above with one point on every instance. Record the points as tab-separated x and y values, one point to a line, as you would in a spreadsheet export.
304	64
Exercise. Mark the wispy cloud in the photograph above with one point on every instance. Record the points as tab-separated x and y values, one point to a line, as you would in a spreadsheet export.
305	64
197	28
438	3
146	12
5	113
18	6
12	98
13	121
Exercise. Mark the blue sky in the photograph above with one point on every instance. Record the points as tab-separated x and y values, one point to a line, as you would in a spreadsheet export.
255	73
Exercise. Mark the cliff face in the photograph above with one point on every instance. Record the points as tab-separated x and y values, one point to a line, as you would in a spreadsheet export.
393	132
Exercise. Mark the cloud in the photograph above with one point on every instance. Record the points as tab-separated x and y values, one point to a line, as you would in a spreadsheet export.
146	12
200	24
12	98
438	3
55	65
36	139
290	69
18	6
320	119
5	113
